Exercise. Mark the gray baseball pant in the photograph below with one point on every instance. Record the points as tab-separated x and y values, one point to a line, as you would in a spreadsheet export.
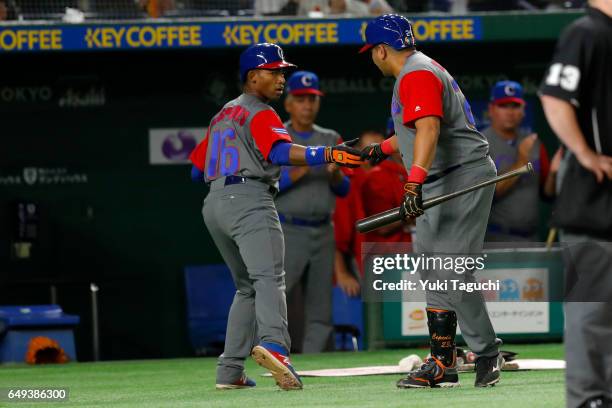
458	226
244	225
588	348
309	258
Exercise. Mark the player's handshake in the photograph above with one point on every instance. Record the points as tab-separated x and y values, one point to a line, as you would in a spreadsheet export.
343	155
374	154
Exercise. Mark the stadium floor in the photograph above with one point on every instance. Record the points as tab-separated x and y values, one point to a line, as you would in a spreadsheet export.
190	383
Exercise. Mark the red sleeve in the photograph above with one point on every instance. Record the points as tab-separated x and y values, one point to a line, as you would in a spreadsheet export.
267	129
544	164
421	95
198	155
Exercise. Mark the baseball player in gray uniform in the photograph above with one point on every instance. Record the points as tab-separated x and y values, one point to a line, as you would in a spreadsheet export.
240	158
305	204
439	143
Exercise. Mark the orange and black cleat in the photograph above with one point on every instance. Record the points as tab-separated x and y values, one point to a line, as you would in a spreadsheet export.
432	374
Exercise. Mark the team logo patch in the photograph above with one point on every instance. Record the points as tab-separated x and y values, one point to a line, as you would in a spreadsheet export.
510	90
280	131
306	80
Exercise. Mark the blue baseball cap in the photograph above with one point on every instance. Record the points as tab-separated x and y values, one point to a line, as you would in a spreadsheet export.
391	29
303	83
507	92
262	56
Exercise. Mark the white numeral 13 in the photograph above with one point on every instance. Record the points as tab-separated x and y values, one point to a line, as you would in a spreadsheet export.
566	76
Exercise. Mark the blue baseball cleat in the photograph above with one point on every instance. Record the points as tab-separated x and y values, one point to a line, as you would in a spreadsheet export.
275	359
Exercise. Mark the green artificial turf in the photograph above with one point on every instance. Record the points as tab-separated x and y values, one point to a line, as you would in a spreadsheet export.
190	383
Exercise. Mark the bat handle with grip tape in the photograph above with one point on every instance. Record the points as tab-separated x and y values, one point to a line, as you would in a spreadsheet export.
393	215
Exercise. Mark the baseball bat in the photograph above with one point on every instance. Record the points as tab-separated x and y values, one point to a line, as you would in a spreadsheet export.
393	215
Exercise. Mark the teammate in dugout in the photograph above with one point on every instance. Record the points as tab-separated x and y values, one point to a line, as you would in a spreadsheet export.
439	143
240	158
305	204
515	212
